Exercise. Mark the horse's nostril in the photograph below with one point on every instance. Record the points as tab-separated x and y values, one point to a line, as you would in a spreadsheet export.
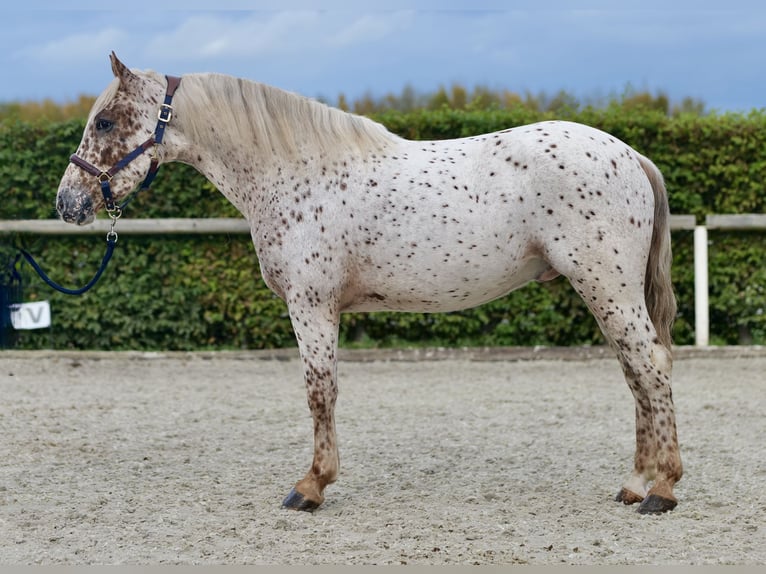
74	207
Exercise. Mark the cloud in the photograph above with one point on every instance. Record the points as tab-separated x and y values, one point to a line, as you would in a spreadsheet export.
234	34
371	28
260	34
83	48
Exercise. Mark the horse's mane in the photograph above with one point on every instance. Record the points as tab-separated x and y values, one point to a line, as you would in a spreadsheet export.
273	120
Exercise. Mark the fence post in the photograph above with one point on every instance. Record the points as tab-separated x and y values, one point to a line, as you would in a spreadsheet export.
701	305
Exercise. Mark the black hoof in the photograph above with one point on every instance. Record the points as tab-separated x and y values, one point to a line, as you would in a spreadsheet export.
296	501
654	504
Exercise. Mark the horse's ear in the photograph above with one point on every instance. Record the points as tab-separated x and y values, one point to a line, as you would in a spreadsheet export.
121	71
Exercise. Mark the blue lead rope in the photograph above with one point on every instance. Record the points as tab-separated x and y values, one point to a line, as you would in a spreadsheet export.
111	241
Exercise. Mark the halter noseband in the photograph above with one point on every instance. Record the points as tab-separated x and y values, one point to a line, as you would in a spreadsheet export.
164	115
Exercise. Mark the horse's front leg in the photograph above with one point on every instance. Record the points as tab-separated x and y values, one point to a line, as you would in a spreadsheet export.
316	329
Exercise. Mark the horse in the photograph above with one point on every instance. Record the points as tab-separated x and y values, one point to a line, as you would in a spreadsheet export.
345	216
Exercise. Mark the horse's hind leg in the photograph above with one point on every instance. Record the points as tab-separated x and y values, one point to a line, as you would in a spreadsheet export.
657	455
647	364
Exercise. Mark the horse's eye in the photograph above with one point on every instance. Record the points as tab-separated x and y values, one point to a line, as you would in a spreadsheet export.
103	125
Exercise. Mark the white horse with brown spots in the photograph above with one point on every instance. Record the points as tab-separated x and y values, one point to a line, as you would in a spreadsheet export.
346	216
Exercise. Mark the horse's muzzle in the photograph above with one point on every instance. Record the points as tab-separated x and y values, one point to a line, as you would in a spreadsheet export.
75	207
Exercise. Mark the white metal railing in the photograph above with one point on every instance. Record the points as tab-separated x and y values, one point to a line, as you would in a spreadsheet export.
223	225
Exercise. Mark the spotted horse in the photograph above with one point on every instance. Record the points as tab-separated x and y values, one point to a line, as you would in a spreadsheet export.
346	216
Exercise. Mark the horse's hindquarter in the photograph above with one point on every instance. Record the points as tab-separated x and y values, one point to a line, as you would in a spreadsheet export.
446	225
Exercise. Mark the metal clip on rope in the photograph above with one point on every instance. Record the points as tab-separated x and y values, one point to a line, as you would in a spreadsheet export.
114	215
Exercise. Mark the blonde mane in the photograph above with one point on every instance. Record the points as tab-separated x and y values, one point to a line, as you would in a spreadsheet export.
275	121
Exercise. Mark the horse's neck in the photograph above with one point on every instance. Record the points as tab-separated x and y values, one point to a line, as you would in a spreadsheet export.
238	176
241	150
232	165
245	174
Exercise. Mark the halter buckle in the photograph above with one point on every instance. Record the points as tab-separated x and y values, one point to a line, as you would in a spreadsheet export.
104	177
165	113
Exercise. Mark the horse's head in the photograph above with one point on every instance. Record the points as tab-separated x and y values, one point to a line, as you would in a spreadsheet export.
122	121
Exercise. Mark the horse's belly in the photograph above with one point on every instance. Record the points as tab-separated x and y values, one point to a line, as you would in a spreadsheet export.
440	288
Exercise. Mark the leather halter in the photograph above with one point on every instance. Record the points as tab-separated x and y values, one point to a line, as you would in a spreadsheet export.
164	115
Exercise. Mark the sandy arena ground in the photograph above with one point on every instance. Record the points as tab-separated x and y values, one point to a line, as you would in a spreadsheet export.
447	457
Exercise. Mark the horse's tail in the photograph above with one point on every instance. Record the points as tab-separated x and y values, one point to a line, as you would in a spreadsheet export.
658	288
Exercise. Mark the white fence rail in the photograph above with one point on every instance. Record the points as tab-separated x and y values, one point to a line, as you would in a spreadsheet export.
211	225
128	226
740	222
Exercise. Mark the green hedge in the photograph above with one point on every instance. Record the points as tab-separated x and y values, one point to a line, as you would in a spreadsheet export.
200	292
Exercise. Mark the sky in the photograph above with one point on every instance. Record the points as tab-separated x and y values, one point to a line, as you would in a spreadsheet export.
714	52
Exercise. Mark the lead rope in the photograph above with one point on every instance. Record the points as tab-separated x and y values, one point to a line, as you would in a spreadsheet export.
111	241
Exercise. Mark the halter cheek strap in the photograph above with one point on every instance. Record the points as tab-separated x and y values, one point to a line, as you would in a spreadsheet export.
164	115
